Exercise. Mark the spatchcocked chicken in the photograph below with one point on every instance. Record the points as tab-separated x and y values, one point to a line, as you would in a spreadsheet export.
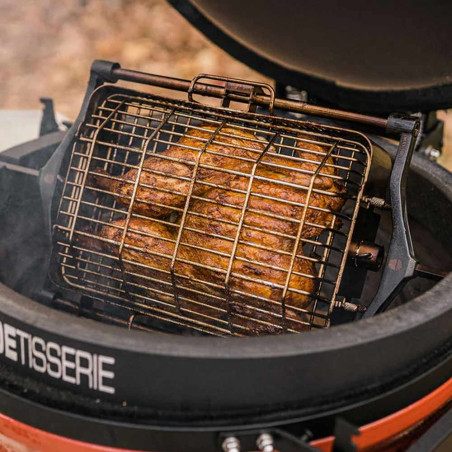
235	252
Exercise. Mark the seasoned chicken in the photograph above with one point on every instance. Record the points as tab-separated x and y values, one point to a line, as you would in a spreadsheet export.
150	269
257	279
165	177
259	268
232	259
277	208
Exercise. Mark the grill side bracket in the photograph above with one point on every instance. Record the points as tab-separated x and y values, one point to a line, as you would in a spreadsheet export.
400	261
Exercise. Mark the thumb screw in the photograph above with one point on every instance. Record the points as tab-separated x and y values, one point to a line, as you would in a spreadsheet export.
265	443
231	444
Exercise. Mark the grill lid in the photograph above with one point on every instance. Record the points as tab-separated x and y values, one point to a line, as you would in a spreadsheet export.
371	59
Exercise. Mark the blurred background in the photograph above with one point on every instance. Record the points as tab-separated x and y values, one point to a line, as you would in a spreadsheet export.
48	46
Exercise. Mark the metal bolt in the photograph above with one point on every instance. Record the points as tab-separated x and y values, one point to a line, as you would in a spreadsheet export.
432	153
296	94
265	442
365	254
231	444
350	307
307	436
376	202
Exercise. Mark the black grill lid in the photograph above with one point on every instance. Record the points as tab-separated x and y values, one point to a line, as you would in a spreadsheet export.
376	56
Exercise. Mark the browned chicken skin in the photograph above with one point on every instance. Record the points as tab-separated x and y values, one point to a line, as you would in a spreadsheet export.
263	253
260	264
159	194
280	208
148	252
150	268
160	187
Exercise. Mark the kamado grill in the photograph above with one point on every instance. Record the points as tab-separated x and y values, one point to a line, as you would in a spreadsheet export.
226	211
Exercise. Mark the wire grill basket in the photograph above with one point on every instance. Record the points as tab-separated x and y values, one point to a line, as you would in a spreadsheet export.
205	218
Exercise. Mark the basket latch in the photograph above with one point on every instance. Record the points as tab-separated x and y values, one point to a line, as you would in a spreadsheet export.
236	90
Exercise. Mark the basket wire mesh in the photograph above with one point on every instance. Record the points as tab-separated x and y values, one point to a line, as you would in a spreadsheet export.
195	284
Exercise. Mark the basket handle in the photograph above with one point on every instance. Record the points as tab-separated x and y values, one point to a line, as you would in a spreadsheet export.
234	88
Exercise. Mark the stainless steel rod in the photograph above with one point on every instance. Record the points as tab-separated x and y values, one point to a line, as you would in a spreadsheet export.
206	89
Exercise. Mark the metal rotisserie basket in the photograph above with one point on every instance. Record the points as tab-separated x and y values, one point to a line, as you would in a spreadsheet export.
248	269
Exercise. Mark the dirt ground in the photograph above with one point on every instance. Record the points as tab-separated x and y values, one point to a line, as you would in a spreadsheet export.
48	46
